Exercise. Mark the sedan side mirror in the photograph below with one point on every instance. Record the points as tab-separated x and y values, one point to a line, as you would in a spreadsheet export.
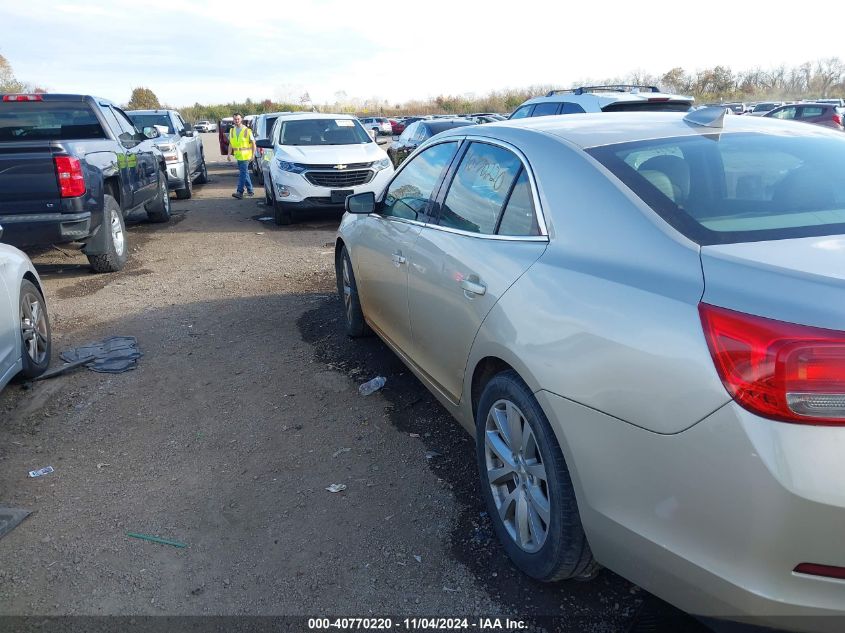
362	203
266	143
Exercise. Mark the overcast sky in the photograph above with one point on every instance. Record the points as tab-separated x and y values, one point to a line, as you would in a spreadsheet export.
188	51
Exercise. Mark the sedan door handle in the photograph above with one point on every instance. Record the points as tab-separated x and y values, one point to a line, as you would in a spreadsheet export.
398	259
473	287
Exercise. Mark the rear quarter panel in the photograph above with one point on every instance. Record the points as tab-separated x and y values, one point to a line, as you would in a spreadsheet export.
608	316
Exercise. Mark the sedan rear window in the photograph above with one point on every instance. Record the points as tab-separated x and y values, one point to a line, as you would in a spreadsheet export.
34	120
650	105
738	187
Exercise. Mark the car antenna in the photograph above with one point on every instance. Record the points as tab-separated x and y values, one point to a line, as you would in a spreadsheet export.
709	116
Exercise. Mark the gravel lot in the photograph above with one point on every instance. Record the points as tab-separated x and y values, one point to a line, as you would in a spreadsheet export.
241	413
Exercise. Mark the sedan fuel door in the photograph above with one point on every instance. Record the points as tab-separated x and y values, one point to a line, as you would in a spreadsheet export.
384	242
489	231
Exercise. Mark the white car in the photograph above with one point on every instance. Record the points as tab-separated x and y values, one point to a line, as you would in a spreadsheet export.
380	124
318	160
24	324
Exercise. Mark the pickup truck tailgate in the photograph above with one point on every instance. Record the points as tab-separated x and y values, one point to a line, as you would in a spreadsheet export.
28	182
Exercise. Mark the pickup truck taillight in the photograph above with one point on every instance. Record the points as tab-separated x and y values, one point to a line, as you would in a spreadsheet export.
69	173
778	370
8	98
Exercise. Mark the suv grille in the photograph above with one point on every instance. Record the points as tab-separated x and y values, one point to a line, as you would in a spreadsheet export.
339	179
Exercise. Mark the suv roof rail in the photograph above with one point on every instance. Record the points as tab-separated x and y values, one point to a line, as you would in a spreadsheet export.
609	88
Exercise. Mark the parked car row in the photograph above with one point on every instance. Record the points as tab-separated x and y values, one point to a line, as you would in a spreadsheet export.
638	317
86	165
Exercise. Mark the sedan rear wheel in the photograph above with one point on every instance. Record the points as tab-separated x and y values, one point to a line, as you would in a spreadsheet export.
526	484
35	331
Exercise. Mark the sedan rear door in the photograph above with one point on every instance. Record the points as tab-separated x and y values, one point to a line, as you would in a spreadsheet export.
489	231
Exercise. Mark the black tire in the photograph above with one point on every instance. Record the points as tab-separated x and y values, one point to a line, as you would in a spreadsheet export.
347	288
187	190
282	213
202	179
259	175
268	193
118	252
561	552
36	340
159	209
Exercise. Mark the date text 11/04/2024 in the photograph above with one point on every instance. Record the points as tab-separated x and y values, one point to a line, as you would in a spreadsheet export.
433	624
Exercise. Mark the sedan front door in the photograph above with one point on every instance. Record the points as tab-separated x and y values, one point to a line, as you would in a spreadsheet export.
488	232
384	241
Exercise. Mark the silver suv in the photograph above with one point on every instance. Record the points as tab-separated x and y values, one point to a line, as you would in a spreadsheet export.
617	98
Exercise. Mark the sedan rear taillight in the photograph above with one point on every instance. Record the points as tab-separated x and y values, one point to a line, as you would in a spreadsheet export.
70	176
837	118
783	371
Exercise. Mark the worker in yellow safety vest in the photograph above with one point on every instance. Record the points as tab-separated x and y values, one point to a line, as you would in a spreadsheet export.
242	146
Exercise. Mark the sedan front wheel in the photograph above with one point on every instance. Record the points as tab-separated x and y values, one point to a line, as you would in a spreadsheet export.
356	325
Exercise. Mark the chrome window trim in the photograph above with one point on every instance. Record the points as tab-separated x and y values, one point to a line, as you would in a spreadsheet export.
482	236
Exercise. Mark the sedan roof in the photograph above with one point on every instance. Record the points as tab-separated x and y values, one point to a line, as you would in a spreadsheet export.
608	128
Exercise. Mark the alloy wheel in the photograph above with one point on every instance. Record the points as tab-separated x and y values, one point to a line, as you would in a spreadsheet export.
118	239
34	327
517	476
347	289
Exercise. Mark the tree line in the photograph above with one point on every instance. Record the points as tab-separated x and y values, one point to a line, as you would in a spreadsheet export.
820	79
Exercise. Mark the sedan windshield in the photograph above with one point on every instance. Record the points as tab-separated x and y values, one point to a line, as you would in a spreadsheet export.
739	187
323	132
148	120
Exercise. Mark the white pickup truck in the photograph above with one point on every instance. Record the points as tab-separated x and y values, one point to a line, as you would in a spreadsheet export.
181	146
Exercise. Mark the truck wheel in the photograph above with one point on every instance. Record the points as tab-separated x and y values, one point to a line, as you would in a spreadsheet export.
35	331
117	254
159	209
282	214
187	189
202	179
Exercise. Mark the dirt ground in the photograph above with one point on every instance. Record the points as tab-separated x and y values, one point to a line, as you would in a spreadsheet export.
242	411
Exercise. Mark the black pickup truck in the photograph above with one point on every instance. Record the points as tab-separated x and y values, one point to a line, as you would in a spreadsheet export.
71	168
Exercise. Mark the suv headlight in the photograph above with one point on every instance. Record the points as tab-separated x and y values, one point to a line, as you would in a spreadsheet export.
170	151
384	163
295	168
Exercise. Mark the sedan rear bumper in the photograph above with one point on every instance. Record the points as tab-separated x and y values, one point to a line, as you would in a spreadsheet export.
716	518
